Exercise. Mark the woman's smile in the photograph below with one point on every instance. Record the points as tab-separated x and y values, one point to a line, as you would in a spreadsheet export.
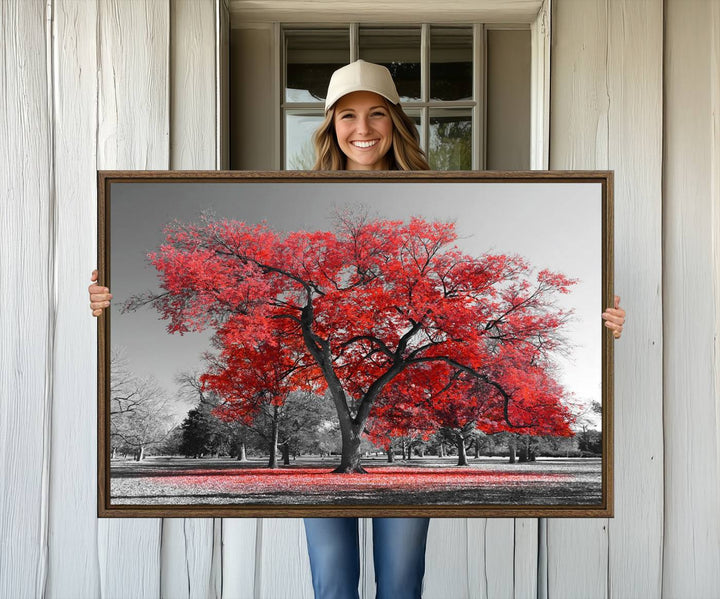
364	144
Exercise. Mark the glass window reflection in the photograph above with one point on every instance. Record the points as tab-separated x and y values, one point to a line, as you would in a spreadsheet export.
450	146
399	50
310	59
299	149
451	63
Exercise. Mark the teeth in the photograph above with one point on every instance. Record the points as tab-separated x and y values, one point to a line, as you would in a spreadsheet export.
364	144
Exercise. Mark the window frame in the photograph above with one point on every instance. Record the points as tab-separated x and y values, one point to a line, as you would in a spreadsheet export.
476	106
537	20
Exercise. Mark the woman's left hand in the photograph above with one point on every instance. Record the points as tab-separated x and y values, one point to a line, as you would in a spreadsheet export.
615	318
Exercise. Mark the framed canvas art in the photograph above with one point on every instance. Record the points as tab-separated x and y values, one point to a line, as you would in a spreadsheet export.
355	344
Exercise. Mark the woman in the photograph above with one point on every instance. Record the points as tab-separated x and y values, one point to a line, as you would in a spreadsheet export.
365	129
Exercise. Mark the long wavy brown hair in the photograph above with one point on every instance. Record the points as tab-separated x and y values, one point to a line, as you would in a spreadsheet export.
405	153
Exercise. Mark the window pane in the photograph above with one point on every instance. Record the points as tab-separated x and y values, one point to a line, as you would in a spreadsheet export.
450	140
415	117
311	57
398	50
451	56
299	149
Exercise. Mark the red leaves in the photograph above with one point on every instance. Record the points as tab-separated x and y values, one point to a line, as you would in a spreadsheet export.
317	481
382	311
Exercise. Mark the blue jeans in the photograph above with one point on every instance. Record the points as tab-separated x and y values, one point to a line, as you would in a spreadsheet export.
398	553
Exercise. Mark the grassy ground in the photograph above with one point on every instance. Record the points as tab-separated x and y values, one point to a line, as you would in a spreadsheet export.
309	481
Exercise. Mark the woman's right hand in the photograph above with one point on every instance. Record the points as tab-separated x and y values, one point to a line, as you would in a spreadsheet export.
99	296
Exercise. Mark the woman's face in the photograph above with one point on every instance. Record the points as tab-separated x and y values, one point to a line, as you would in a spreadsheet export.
364	130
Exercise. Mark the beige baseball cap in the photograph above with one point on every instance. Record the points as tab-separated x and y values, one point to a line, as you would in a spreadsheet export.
361	76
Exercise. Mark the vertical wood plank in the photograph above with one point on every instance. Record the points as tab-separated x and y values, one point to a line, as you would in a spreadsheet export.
446	559
187	558
367	562
187	543
193	85
525	559
222	62
129	558
133	118
239	558
577	558
133	131
283	567
540	88
715	193
691	398
490	557
500	557
73	563
477	559
577	550
26	301
609	90
635	88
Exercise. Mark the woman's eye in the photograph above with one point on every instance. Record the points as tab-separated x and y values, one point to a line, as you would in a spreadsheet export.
379	113
347	115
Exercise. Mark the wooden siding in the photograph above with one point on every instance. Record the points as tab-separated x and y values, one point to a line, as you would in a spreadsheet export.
691	201
73	540
606	112
133	133
27	303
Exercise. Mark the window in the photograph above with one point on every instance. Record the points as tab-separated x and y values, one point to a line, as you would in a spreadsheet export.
434	68
467	86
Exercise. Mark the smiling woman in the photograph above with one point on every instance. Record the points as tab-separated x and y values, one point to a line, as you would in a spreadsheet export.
365	128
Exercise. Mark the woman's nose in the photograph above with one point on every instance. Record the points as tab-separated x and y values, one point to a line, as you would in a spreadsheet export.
363	125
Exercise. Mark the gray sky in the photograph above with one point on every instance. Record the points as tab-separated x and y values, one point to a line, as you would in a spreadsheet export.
553	225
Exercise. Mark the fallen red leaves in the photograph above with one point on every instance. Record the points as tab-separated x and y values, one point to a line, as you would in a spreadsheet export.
319	481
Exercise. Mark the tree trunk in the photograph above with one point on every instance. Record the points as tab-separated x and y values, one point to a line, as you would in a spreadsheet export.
390	454
351	458
462	452
242	456
409	449
442	450
141	453
512	446
286	453
272	462
525	450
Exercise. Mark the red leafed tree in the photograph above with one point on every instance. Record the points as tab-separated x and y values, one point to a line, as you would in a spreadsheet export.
423	400
356	308
257	374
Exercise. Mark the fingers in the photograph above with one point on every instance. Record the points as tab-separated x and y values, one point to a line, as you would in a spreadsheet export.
616	328
99	296
615	318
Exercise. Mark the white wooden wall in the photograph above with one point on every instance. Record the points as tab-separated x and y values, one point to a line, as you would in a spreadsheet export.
635	87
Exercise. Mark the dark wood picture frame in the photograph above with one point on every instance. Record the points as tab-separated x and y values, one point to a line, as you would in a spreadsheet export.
596	185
